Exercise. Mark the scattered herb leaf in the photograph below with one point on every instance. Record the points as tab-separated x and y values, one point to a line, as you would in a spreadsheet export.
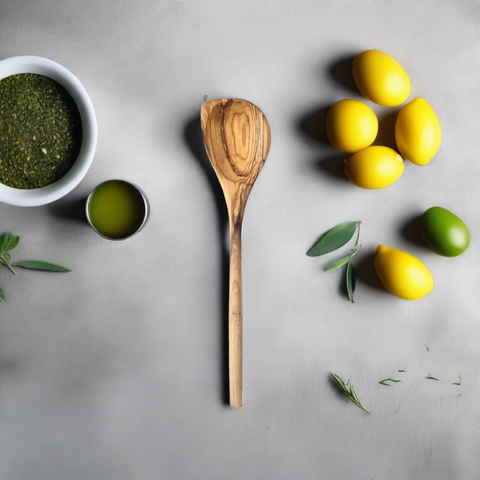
335	238
350	279
428	349
3	295
36	265
383	382
432	378
9	242
348	391
459	381
343	260
402	371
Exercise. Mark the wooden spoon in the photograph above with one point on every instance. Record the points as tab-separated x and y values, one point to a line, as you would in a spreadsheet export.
237	140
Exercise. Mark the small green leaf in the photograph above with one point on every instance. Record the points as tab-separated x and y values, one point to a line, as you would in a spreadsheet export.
3	295
5	260
459	381
402	371
385	380
335	238
37	265
5	240
432	378
343	260
350	279
338	263
12	243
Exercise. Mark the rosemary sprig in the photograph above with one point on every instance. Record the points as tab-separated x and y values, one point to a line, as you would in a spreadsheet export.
348	391
383	382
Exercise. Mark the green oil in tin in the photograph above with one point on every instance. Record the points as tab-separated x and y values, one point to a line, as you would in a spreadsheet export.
116	209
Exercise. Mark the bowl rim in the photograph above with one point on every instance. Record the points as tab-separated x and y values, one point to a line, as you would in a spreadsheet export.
64	185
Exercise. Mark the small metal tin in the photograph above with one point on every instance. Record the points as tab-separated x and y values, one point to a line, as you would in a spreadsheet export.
144	197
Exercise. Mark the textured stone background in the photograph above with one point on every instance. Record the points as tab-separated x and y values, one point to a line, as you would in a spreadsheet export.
117	370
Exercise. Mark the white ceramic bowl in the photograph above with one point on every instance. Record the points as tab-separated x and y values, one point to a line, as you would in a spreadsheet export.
41	196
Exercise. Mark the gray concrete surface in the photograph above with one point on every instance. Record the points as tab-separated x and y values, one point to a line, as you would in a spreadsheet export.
117	370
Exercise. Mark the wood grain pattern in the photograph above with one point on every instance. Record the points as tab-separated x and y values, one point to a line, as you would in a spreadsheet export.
237	139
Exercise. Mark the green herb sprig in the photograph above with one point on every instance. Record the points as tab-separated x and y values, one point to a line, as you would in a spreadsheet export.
7	243
348	391
334	239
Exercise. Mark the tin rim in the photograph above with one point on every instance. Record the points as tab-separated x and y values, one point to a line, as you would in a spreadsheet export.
145	201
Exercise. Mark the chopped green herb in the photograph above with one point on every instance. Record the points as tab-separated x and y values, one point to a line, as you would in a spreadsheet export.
40	131
348	391
459	381
401	371
432	378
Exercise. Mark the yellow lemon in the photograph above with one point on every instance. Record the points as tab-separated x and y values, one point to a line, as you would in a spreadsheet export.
351	125
417	131
380	78
402	274
374	167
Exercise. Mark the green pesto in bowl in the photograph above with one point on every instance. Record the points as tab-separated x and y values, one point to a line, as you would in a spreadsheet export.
40	131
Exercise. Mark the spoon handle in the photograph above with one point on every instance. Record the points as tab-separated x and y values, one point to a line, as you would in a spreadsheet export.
235	318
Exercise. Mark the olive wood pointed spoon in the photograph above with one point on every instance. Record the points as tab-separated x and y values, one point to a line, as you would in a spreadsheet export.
237	140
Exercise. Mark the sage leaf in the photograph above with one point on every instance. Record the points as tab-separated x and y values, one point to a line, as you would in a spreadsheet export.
5	260
338	263
3	295
350	280
12	243
5	240
343	260
335	238
38	265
